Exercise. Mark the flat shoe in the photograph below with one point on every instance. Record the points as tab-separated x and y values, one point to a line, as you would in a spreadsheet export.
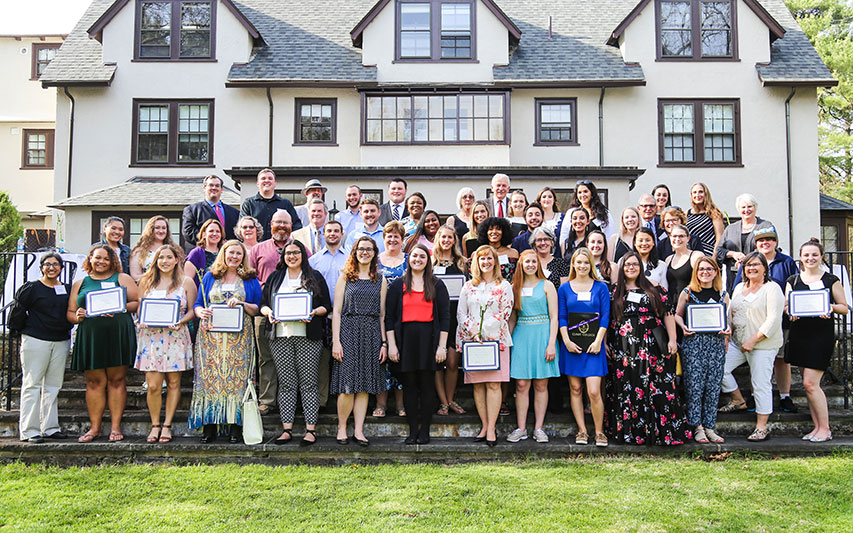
713	437
379	412
152	436
601	440
732	407
163	438
362	443
456	408
442	410
58	435
38	439
759	435
305	442
582	438
813	439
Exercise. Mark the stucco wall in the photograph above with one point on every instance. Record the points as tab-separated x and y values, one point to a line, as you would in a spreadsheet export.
21	98
29	189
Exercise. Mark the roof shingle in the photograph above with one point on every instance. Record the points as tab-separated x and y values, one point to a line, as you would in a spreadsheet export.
143	192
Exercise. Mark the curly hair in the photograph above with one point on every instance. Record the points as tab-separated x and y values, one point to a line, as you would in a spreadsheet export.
495	222
147	238
115	263
350	270
596	206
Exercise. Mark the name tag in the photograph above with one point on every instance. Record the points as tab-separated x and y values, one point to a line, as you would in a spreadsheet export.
228	286
107	285
750	297
503	259
635	297
156	294
586	296
439	270
546	272
527	291
60	289
816	285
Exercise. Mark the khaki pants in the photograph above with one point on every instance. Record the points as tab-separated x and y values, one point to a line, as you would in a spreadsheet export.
267	375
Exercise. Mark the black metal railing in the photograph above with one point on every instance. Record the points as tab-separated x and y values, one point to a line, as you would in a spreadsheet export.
841	366
10	366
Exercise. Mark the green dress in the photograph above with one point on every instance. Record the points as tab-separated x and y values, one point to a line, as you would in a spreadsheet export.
103	341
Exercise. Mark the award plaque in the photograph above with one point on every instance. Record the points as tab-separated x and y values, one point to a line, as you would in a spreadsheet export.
706	318
809	303
481	356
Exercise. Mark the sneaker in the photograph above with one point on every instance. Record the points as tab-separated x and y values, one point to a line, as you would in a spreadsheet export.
517	435
787	405
750	404
540	436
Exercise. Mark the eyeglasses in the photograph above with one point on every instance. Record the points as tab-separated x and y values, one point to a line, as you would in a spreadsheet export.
51	265
292	253
364	250
543	241
631	265
673	237
707	269
753	265
583	182
468	196
647	206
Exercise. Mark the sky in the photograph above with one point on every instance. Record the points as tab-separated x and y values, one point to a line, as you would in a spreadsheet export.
34	17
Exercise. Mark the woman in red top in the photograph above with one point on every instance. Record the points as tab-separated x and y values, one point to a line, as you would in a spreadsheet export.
417	320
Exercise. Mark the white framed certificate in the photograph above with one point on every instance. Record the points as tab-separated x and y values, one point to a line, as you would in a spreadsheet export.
159	312
706	318
106	301
809	303
226	319
292	306
454	284
481	356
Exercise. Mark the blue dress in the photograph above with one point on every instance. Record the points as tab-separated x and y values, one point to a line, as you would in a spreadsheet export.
530	339
583	364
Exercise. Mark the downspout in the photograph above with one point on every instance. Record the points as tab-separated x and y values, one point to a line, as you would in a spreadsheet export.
70	144
601	129
269	98
790	173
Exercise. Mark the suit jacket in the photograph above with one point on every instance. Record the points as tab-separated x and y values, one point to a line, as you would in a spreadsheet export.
385	215
200	212
304	236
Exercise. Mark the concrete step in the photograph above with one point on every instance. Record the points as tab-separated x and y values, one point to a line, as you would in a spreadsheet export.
183	451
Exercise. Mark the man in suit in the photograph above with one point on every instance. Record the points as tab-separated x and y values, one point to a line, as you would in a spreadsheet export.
500	190
264	205
211	207
395	207
648	209
313	190
312	234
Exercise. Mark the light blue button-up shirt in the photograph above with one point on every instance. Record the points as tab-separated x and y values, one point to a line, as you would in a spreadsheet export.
329	265
349	220
361	231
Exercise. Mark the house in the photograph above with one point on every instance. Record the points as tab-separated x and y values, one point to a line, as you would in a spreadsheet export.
443	93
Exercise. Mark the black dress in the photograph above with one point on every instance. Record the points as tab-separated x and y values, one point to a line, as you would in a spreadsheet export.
811	340
361	340
471	246
621	249
557	268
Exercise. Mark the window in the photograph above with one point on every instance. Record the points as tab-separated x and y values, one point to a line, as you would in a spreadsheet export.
175	30
134	223
475	118
168	133
696	29
699	132
43	54
433	30
37	151
316	121
556	122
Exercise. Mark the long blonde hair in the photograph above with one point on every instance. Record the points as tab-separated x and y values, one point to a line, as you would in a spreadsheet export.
593	272
518	277
147	237
455	253
153	275
476	273
708	207
219	268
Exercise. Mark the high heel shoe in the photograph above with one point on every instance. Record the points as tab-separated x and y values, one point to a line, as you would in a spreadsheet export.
235	434
492	443
209	433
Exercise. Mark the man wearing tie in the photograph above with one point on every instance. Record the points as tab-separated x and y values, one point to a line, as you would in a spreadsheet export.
500	190
648	209
196	214
395	207
312	234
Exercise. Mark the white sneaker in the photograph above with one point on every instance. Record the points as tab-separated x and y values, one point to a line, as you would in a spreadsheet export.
517	435
540	436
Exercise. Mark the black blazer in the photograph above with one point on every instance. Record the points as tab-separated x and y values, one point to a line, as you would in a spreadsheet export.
200	212
394	311
314	330
385	215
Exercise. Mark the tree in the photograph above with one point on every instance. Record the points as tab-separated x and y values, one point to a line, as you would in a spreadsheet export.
828	25
10	223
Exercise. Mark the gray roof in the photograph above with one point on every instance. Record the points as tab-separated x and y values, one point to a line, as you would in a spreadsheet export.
310	42
145	192
80	60
828	203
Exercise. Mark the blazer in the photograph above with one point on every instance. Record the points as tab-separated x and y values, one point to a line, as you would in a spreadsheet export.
385	215
314	330
304	236
196	214
730	242
394	311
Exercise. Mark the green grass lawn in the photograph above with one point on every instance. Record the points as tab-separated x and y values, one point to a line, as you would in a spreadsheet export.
613	494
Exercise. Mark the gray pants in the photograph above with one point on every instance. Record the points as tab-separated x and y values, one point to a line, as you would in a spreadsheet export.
43	366
267	375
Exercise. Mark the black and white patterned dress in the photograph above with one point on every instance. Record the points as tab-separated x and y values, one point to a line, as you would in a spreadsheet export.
700	225
361	340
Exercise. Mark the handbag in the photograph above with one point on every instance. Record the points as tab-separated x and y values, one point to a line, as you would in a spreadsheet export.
253	424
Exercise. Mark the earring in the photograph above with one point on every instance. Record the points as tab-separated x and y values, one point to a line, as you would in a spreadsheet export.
240	270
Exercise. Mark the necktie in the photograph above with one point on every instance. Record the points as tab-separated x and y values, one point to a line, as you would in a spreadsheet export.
651	225
218	209
500	208
396	211
317	244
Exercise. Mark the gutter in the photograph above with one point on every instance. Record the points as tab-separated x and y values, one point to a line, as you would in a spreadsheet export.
269	98
601	129
70	143
788	165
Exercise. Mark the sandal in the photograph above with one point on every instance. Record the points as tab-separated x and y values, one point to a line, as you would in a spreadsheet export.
456	408
442	409
89	436
700	436
759	435
504	409
713	437
379	412
582	438
166	438
306	442
116	436
732	407
601	440
400	412
152	437
264	409
289	433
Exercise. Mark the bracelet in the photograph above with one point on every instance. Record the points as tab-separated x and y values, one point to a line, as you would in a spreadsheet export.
443	348
385	343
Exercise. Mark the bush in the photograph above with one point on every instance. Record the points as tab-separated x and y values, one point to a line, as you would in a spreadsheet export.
10	223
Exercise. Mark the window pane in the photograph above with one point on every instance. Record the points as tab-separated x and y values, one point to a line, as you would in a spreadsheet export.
481	129
414	44
555	122
496	129
389	107
450	110
421	130
466	129
192	133
455	30
716	29
481	106
404	107
496	105
374	131
389	131
315	122
675	27
450	130
678	118
155	29
719	118
466	106
195	29
421	106
678	148
414	16
414	30
436	127
436	107
404	130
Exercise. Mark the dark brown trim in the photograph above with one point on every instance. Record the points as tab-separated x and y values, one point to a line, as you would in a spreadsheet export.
49	147
373	85
34	60
297	102
696	35
126	215
96	30
699	133
537	121
77	83
172	155
798	83
253	31
620	29
174	33
435	32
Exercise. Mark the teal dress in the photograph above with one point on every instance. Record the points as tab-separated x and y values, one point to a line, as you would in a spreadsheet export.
530	339
103	341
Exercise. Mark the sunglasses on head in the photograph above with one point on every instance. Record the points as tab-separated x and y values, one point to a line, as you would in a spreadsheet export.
583	182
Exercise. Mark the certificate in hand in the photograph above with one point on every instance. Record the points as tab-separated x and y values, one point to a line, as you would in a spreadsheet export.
809	303
226	319
481	356
292	306
583	329
454	284
706	318
159	312
106	301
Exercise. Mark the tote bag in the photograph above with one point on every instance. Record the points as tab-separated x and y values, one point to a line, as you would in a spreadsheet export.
253	425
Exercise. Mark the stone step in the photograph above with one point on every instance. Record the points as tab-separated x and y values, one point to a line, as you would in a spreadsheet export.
188	451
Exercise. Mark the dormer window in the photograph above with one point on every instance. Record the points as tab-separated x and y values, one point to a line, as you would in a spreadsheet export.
175	30
435	30
696	30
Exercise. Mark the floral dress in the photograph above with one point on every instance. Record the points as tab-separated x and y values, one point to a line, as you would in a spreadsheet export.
642	406
165	349
496	299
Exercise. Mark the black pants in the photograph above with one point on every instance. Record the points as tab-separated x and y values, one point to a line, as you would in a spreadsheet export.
419	399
